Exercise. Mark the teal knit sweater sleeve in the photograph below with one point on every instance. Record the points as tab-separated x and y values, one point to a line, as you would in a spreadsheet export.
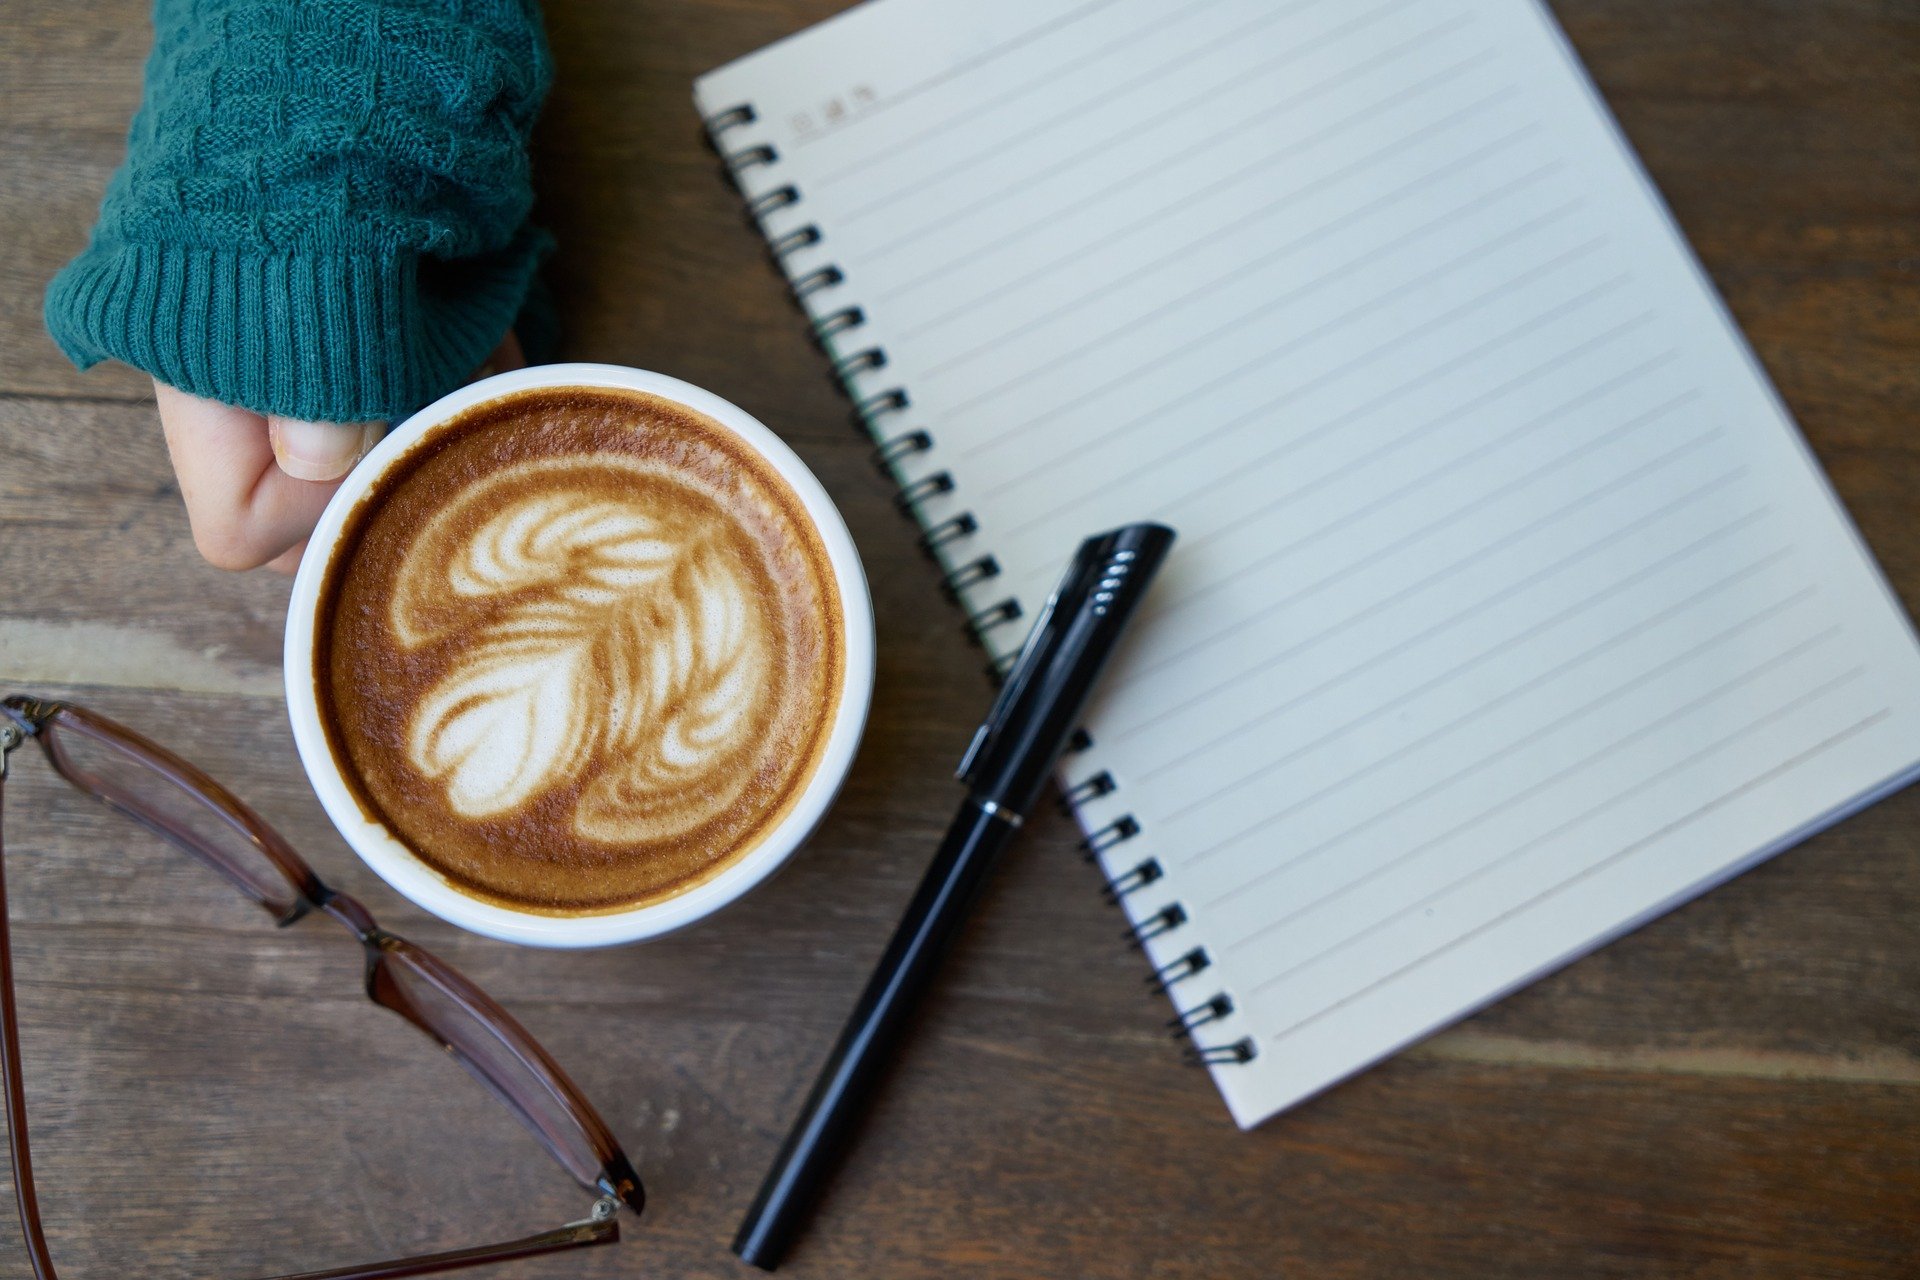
324	208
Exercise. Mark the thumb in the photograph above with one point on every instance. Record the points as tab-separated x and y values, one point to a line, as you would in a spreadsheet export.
322	451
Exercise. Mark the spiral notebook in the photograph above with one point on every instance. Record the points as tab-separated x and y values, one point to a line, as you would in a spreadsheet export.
1509	610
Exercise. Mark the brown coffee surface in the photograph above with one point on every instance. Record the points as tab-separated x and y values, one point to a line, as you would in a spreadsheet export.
580	650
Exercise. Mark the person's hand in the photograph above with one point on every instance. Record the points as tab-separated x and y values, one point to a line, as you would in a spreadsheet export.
255	486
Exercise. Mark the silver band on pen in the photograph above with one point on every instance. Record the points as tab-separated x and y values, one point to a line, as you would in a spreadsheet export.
995	810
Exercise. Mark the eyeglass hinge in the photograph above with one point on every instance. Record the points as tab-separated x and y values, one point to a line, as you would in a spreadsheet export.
19	720
11	736
603	1208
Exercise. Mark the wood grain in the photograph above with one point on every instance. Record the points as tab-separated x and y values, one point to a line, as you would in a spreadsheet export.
1732	1091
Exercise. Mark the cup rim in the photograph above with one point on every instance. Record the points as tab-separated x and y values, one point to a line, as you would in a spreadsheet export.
413	878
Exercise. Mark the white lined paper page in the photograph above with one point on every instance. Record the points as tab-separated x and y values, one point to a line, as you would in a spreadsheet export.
1509	609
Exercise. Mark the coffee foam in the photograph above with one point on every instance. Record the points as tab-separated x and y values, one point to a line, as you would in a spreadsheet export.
595	642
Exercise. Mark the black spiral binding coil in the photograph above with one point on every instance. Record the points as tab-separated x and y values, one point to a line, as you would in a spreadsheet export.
1162	980
814	281
1118	831
838	322
1143	874
1220	1055
1133	881
1157	925
966	575
943	541
768	201
1100	784
949	530
740	161
1188	1021
860	362
910	496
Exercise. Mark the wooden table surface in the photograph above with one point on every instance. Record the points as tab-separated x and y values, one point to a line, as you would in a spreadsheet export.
1732	1091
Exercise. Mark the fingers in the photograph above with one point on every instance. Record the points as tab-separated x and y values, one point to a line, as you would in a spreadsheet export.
288	561
244	508
320	451
254	486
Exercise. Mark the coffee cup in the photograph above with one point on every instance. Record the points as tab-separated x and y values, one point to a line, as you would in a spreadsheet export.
788	656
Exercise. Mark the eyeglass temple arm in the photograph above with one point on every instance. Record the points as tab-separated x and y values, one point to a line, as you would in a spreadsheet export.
596	1230
11	736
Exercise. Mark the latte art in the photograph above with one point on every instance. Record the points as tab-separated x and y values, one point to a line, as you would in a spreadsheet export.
628	646
593	651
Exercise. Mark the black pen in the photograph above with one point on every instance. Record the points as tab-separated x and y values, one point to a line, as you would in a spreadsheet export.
1008	763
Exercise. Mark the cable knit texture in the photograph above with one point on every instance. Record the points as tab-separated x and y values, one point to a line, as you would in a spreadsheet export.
324	208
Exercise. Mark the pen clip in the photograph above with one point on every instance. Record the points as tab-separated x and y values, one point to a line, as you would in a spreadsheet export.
1042	637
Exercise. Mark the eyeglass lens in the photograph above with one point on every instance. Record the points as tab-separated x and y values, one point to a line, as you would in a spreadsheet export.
195	823
419	987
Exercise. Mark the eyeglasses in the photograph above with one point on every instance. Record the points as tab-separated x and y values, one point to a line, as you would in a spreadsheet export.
170	797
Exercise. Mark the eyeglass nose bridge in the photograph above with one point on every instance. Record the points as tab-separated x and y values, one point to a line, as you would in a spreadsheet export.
348	911
26	712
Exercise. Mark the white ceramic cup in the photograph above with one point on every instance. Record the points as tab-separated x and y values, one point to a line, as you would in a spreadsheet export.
390	857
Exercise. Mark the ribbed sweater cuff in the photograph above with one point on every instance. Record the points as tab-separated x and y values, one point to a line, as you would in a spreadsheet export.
318	337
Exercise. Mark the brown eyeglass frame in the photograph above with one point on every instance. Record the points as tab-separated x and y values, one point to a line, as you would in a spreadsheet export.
614	1181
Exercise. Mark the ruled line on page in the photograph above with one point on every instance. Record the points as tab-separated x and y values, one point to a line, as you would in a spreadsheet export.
1301	911
1498	597
1718	802
1499	648
1259	363
1353	413
1036	130
946	120
1507	802
1415	536
1636	631
1343	221
1030	189
962	68
1333	275
1208	337
1205	852
1472	506
1437	370
1586	603
1266	306
1227	523
1234	133
1258	462
1540	421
